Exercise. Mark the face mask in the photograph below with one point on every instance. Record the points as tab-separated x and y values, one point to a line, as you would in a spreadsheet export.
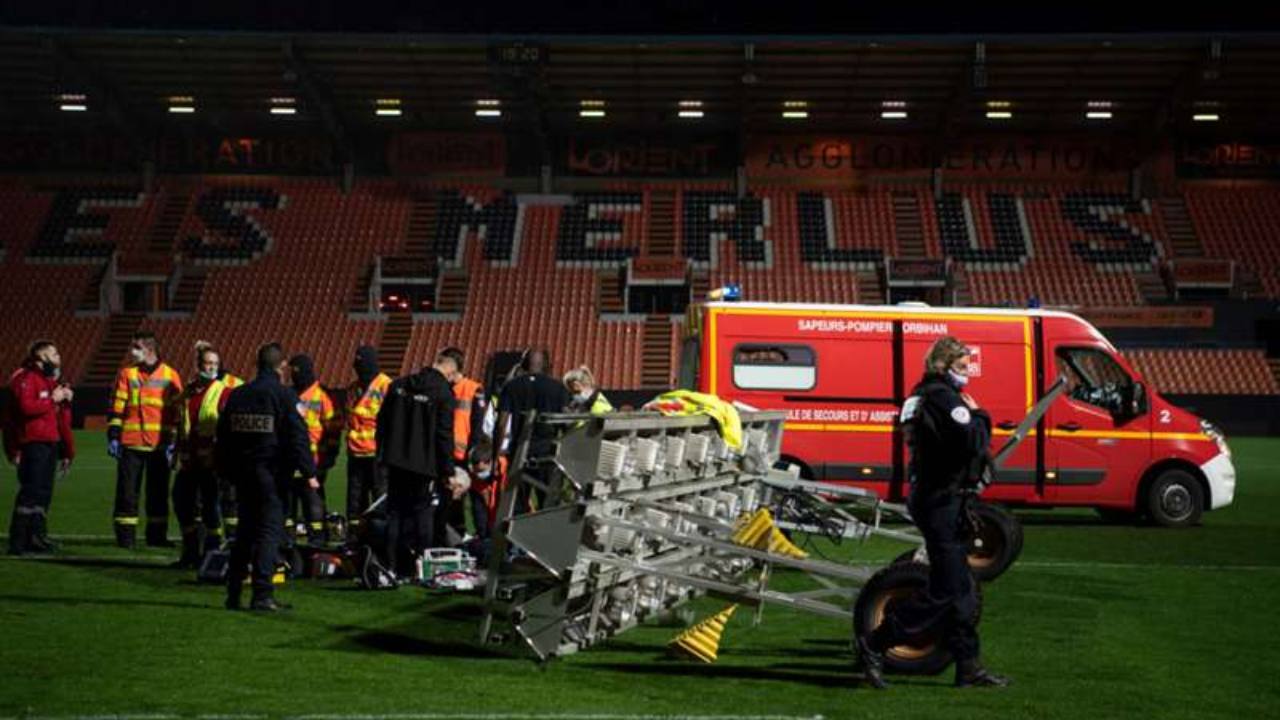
210	375
584	396
484	475
958	379
49	369
137	355
365	370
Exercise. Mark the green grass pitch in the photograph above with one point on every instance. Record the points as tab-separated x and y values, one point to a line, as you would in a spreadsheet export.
1095	621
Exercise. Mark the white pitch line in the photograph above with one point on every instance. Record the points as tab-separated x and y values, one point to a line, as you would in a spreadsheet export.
1144	566
427	716
144	560
65	536
549	716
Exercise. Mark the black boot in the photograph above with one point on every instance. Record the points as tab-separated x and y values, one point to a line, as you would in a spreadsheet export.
267	604
970	673
190	559
19	533
126	536
870	664
40	540
158	536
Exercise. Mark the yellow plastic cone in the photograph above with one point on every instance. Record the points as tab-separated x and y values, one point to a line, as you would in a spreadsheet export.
751	529
758	531
780	545
702	641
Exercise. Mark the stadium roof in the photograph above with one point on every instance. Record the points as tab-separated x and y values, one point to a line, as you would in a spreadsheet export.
337	82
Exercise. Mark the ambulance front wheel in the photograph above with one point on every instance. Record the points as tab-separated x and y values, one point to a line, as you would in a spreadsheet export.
1175	499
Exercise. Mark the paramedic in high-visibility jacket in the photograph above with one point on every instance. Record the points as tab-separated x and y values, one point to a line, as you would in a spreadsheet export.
262	441
365	481
323	432
948	435
197	486
141	435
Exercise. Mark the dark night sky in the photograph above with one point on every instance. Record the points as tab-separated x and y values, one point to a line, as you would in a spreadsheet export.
657	17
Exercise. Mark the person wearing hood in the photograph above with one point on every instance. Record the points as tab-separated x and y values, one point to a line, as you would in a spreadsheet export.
948	435
415	445
38	440
141	436
322	433
587	397
197	484
365	483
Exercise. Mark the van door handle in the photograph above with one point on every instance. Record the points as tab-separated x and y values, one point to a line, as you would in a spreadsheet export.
1070	426
1008	425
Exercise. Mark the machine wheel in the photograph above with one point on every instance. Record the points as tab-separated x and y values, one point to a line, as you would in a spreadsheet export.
997	543
1175	499
897	582
993	550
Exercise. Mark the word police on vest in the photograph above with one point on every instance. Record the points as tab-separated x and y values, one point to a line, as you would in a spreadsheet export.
262	424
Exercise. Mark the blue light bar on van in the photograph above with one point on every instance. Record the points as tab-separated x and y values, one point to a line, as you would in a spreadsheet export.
729	293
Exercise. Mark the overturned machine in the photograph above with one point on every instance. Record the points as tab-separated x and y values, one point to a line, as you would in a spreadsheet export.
639	513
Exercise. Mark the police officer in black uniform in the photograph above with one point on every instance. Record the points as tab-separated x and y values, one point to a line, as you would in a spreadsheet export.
262	441
948	435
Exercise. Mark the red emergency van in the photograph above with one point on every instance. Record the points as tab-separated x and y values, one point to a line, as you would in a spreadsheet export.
842	372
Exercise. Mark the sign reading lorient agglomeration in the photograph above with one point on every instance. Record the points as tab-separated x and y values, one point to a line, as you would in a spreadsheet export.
848	157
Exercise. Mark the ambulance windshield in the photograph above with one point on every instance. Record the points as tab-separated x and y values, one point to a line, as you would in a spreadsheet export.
1096	378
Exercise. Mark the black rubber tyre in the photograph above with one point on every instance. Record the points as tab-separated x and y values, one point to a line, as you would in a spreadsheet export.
996	547
924	656
1175	499
997	544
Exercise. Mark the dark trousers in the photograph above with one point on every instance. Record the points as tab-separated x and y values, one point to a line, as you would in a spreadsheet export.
479	511
451	519
35	475
129	472
35	492
530	497
412	503
306	504
197	502
227	501
949	602
261	530
365	483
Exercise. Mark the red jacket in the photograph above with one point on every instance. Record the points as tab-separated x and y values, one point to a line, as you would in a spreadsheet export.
34	415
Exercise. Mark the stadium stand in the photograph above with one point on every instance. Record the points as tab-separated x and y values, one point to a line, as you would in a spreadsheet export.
1240	223
1063	245
252	258
1206	372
